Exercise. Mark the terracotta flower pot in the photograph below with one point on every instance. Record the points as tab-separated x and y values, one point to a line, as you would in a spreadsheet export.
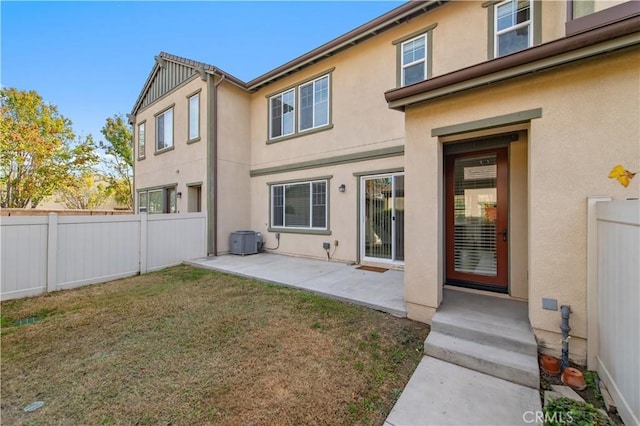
573	378
550	365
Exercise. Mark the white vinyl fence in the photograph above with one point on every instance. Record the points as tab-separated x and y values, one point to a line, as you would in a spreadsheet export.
614	301
47	253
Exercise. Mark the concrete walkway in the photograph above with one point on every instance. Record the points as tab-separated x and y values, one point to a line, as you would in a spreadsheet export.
442	393
439	392
383	291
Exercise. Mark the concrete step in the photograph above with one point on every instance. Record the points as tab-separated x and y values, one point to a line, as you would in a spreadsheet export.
506	333
493	360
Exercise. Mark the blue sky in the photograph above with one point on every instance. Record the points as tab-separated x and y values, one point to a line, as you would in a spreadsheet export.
91	59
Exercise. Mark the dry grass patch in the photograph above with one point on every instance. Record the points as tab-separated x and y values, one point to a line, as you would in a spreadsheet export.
188	346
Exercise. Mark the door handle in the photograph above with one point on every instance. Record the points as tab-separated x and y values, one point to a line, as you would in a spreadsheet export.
504	234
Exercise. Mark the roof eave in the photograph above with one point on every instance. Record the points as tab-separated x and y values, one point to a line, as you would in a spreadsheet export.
615	36
198	66
393	17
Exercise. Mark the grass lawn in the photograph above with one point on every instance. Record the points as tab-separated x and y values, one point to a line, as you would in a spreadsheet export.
190	346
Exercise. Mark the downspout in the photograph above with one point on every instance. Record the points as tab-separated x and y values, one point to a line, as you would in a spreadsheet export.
212	172
565	310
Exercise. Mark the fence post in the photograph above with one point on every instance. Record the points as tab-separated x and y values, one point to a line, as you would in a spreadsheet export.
52	252
593	344
143	243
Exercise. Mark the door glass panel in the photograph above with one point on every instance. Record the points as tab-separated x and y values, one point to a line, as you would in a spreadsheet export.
378	215
384	218
171	201
399	216
475	201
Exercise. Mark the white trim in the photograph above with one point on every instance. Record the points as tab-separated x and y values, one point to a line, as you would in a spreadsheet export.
310	183
312	83
142	126
403	66
282	130
165	132
197	116
497	33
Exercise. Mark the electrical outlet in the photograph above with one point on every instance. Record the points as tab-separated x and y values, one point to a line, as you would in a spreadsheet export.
326	246
335	243
277	235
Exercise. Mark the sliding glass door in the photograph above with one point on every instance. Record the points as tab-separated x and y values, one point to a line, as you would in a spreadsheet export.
382	221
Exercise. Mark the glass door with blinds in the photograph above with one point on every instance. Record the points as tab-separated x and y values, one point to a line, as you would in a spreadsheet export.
382	224
477	220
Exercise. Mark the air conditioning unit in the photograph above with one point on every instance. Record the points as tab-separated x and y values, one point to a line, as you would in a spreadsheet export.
245	242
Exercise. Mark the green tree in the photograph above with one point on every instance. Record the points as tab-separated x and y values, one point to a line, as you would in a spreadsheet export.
119	159
86	191
39	153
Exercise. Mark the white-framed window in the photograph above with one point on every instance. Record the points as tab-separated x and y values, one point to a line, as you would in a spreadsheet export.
301	108
301	205
164	130
142	201
414	60
282	114
141	139
513	29
158	200
194	117
314	103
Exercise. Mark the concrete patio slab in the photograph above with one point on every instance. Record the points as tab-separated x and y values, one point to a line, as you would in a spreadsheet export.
441	393
381	291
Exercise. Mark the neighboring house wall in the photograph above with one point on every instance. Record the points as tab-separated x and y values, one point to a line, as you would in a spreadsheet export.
182	173
186	161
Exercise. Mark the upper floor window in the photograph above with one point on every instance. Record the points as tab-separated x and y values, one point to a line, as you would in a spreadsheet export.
299	205
513	29
314	103
414	60
300	108
414	56
164	130
585	15
141	140
194	117
282	114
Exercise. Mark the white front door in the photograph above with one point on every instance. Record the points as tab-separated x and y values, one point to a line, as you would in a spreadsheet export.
382	221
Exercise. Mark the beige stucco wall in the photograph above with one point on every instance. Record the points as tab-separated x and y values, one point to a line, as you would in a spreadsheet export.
470	44
234	157
362	122
518	220
361	119
343	209
589	124
454	49
185	163
554	17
